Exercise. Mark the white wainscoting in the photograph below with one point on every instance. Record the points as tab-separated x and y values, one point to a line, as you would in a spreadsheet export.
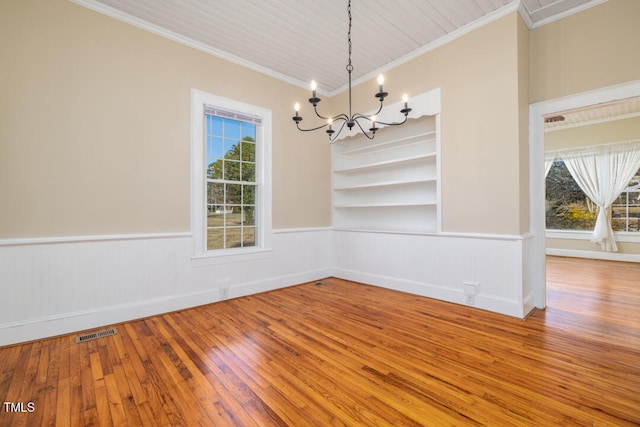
57	286
437	265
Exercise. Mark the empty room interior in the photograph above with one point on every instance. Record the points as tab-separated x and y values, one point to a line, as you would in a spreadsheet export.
349	213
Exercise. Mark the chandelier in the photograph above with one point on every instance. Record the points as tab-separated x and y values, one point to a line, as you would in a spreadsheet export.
352	119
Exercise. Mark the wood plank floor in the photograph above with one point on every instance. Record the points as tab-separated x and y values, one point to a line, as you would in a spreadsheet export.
350	354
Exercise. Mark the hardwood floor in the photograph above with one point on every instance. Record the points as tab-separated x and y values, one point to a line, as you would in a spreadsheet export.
349	354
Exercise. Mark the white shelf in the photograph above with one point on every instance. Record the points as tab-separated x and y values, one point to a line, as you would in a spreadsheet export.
385	184
385	163
383	205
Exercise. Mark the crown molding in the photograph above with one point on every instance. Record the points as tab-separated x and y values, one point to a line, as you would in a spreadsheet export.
111	12
514	6
465	29
566	13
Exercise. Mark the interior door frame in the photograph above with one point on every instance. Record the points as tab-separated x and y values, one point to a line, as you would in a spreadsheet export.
537	111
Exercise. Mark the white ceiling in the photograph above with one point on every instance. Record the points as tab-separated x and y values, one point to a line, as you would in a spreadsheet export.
301	40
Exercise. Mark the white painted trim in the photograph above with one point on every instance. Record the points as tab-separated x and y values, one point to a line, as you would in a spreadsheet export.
566	13
524	14
620	236
227	257
609	256
504	237
536	260
300	230
438	173
96	238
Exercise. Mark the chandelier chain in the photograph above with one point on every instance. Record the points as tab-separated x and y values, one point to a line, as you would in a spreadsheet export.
349	66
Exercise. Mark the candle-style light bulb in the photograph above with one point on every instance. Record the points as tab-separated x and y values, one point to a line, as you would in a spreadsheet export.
297	108
330	121
405	99
380	82
314	86
373	121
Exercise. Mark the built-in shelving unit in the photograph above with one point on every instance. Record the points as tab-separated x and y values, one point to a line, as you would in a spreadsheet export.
390	183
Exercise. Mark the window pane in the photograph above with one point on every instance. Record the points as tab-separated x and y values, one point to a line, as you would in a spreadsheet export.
234	194
214	149
231	170
215	238
232	148
215	196
248	131
249	215
232	129
214	170
248	172
215	125
249	236
233	218
248	151
249	194
233	239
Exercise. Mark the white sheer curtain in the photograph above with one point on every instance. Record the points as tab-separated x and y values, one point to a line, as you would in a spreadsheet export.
602	172
548	162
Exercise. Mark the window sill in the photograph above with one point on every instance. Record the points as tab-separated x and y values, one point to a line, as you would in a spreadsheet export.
228	257
621	236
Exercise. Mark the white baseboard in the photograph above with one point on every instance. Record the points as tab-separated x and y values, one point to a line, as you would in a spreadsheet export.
484	302
608	256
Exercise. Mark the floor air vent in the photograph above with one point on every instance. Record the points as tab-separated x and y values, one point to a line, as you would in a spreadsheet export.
96	335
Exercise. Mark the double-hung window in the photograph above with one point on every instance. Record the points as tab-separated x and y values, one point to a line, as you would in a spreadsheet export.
231	177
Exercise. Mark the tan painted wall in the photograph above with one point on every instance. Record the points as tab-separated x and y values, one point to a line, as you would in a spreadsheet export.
592	49
481	113
94	127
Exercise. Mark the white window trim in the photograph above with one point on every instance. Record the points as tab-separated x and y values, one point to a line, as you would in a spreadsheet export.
201	256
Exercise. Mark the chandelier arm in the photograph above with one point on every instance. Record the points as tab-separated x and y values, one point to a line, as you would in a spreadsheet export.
311	129
362	130
334	118
338	133
315	109
395	123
